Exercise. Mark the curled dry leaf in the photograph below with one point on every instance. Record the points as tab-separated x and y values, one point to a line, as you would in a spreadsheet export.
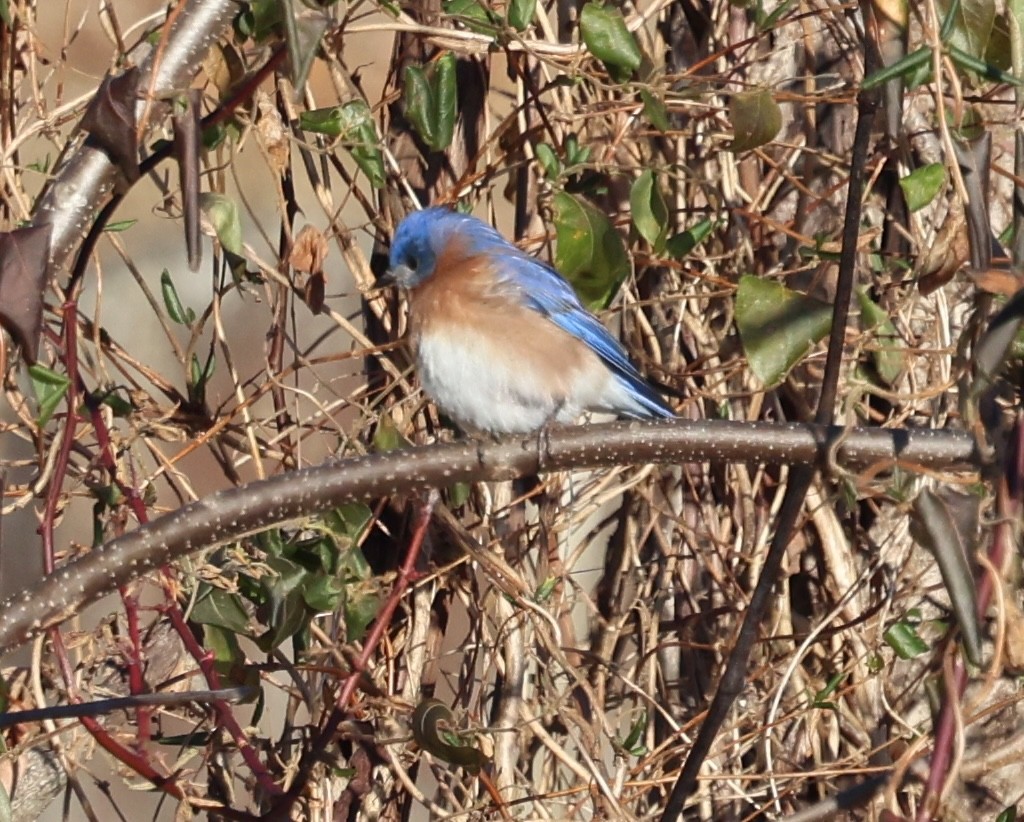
944	256
308	254
110	121
273	136
24	262
309	250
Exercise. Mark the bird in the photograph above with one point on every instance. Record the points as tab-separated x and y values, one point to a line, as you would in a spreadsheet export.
501	341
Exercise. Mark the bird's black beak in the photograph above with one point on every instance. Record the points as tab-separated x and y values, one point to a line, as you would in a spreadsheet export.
399	275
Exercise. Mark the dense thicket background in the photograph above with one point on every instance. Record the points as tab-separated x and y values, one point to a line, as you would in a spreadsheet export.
686	165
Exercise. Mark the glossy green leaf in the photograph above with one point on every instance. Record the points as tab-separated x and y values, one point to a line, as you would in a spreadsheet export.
648	210
50	389
923	184
604	32
756	119
903	638
285	612
430	101
520	13
777	326
446	97
322	121
474	15
679	245
350	520
222	212
353	124
590	252
887	352
215	606
418	100
175	310
323	592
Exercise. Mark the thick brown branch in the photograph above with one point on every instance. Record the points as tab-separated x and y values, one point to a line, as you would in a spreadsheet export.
232	514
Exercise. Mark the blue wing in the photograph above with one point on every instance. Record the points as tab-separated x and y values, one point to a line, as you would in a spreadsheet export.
541	288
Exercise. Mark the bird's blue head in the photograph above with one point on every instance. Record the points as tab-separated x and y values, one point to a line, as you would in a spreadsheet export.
422	237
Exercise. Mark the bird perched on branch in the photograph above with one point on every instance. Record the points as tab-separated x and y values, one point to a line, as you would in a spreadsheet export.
502	342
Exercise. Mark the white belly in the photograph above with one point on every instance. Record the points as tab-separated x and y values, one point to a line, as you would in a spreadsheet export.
487	388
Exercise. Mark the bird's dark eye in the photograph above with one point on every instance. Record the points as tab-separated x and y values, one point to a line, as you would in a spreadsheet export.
411	263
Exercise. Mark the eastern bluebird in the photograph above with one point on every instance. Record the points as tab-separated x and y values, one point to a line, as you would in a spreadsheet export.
502	342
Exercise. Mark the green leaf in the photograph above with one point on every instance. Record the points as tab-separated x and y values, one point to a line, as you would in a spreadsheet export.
888	355
360	611
972	23
350	519
430	101
1008	814
199	376
118	226
655	110
458	493
215	606
121	406
777	326
520	13
5	13
548	160
175	310
756	119
50	388
679	245
222	213
418	100
923	184
360	134
590	252
903	638
446	97
474	15
605	34
323	592
648	210
322	121
285	612
353	123
387	437
261	19
986	69
904	67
